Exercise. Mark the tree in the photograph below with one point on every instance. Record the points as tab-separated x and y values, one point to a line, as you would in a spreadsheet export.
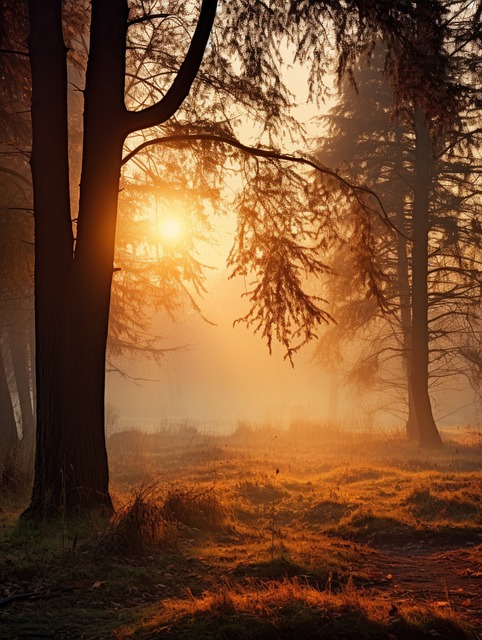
72	288
16	250
428	191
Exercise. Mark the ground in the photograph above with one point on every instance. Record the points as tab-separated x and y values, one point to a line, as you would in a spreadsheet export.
264	534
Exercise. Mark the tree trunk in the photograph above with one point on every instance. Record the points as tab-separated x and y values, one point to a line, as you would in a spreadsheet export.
71	463
428	432
19	350
411	426
8	430
72	292
403	282
53	237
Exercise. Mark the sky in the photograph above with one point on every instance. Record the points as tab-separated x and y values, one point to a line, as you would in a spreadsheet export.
226	374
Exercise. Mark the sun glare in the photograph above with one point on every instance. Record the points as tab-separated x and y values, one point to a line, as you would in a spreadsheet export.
170	229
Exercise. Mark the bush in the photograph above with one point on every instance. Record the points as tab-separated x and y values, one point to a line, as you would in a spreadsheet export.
140	526
198	509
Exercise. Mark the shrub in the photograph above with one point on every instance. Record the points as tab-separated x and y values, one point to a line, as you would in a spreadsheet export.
198	509
140	526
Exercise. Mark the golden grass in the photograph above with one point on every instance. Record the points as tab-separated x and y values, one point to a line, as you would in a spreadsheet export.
216	536
291	608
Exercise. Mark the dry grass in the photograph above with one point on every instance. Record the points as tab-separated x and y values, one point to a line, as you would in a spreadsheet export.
259	536
195	508
138	527
292	609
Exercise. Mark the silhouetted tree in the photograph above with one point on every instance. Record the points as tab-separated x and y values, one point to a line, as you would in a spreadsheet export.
72	283
431	193
16	246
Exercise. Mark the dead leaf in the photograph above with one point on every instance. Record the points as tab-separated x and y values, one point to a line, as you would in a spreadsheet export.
389	576
442	603
466	603
97	584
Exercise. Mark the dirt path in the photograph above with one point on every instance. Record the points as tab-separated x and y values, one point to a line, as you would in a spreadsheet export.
447	578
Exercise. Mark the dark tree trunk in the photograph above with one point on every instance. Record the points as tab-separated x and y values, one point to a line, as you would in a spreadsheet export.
427	430
71	463
53	239
72	293
88	298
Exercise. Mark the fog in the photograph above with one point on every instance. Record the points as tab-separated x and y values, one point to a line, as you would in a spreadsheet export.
221	373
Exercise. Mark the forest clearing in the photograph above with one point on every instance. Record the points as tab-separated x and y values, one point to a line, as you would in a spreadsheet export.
261	534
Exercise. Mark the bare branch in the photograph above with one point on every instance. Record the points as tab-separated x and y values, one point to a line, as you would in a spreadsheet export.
175	96
16	174
147	18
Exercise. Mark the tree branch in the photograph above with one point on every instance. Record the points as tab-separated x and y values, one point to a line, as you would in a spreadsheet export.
16	174
178	91
14	52
264	153
147	17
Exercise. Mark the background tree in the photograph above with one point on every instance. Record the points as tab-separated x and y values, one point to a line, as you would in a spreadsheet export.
16	250
389	158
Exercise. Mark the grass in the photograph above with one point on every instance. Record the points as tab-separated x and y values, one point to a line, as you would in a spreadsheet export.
215	539
290	609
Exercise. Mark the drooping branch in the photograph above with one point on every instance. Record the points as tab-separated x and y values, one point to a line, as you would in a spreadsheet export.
270	155
178	91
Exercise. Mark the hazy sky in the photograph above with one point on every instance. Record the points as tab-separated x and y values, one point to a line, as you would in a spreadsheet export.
225	374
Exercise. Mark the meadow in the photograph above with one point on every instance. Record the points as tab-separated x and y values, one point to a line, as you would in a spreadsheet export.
263	534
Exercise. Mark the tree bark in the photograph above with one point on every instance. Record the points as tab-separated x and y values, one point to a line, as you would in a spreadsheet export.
427	431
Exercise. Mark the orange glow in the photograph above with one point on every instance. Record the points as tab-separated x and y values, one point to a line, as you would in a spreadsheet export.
170	229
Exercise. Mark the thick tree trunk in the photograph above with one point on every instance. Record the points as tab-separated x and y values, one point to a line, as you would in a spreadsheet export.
427	430
71	463
86	475
53	238
72	293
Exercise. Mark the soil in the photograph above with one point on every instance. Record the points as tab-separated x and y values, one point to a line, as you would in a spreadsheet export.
418	573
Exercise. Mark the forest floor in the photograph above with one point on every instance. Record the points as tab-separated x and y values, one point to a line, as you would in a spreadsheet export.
261	535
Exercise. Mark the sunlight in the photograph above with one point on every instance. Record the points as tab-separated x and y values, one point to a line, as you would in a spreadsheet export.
170	229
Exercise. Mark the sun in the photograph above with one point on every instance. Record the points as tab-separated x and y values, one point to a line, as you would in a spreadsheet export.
170	229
